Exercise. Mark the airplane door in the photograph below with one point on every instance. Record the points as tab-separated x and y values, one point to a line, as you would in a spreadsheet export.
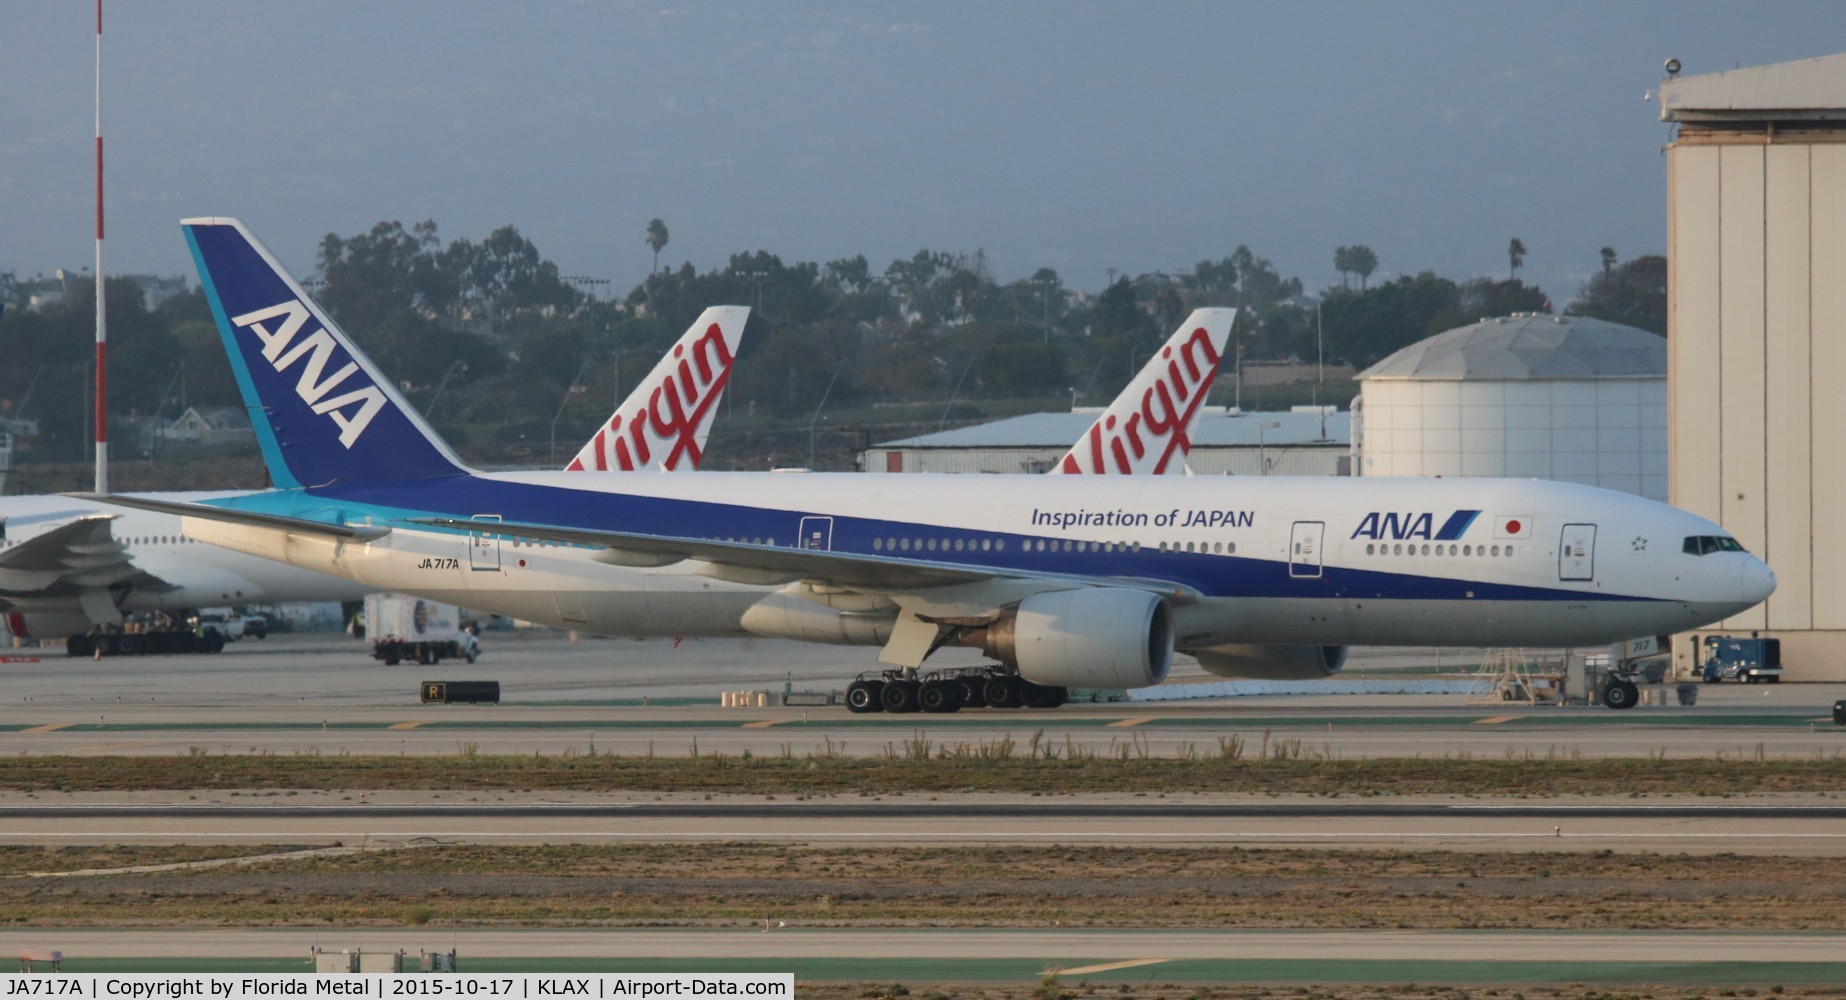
1304	541
484	546
816	533
1577	552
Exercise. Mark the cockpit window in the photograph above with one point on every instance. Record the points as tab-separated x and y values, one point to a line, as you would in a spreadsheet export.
1704	545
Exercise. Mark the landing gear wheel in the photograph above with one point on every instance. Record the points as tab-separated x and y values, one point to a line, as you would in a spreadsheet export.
899	697
1620	695
1003	691
973	691
863	697
941	696
1042	695
214	641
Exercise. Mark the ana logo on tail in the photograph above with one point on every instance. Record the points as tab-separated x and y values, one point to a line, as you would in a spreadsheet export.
1161	424
352	411
670	420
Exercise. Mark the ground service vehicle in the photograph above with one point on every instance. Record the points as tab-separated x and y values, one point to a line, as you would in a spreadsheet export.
1749	660
402	628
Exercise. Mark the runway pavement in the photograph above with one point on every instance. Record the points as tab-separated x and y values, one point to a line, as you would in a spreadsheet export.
1785	828
321	695
990	955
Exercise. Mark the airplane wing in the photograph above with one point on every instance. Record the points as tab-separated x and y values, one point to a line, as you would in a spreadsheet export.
79	556
876	574
251	518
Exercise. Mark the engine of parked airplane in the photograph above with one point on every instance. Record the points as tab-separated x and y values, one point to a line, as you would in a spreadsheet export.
53	625
785	616
1091	637
1272	663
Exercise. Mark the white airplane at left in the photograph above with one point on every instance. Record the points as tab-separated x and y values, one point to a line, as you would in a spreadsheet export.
68	564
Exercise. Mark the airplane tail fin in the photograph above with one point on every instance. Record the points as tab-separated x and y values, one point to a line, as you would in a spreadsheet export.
663	423
322	411
1148	429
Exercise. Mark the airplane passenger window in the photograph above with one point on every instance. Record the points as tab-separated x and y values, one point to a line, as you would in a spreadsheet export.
986	544
878	545
1163	546
1496	550
1231	548
1000	545
1067	545
958	543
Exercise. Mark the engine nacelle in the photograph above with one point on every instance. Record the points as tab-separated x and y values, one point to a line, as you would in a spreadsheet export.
785	616
1093	637
1272	663
53	625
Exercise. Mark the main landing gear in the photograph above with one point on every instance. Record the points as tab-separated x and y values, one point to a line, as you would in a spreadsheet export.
945	691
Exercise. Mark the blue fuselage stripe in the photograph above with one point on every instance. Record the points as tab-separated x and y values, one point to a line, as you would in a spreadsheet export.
1210	574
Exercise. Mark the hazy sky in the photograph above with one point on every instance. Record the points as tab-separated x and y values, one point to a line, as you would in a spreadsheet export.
1077	135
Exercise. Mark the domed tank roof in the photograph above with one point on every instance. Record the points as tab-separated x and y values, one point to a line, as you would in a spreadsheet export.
1529	346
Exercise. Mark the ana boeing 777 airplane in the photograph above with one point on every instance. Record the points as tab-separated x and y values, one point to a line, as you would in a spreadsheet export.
1064	581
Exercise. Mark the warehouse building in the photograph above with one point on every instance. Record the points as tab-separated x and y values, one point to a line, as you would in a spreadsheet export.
1533	395
1756	244
1305	441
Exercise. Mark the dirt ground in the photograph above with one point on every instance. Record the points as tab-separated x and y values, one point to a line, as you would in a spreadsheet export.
738	885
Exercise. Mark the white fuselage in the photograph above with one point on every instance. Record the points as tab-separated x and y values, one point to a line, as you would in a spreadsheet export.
1257	560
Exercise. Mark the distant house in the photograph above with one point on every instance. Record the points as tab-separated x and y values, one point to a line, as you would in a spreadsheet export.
211	425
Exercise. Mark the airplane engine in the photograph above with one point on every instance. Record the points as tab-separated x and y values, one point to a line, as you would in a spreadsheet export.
1094	637
55	625
784	616
1272	663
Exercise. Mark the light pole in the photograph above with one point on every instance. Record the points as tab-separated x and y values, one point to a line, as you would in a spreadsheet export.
444	384
1262	445
561	405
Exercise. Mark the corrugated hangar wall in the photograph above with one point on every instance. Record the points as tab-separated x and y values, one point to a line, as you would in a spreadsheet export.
1757	328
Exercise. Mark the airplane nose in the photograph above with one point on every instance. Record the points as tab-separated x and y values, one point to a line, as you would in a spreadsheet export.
1756	581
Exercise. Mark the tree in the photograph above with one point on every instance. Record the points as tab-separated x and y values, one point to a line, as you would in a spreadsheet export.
1608	259
1342	262
1516	254
1634	293
657	239
1363	262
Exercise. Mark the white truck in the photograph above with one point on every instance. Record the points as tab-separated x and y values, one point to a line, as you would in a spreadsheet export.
402	628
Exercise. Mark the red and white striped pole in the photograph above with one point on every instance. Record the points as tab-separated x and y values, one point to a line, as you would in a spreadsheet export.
102	328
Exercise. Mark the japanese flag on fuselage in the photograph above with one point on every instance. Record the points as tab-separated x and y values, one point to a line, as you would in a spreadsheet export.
1512	526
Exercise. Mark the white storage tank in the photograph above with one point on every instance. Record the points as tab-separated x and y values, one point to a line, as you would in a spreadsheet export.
1526	396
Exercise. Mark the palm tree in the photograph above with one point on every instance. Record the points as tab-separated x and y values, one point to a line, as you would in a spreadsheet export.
1608	259
656	238
1342	261
1363	262
1516	254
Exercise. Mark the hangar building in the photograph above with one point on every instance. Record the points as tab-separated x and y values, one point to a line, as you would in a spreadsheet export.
1530	395
1756	318
1306	441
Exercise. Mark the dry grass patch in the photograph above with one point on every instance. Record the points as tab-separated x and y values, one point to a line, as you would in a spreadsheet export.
822	775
